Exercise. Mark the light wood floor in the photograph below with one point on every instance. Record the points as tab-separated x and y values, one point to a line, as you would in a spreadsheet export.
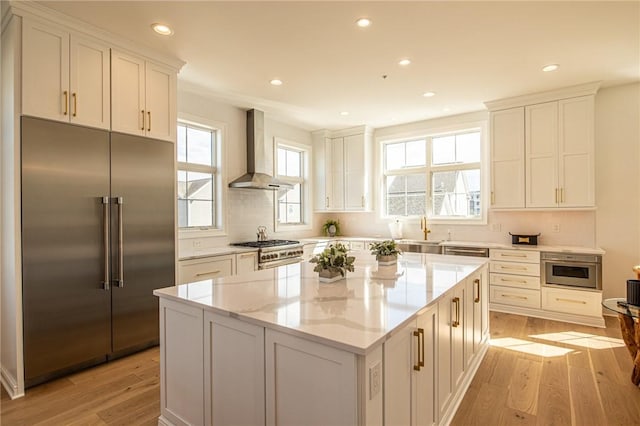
588	385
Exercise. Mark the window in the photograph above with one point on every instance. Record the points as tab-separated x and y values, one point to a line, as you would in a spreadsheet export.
198	177
438	176
291	166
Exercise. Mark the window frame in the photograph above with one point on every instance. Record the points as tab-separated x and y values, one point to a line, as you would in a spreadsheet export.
428	134
219	227
305	185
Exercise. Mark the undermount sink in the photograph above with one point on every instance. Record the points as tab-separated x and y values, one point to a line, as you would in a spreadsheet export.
416	246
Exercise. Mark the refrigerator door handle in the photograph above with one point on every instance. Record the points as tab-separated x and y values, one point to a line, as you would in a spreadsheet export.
120	280
107	244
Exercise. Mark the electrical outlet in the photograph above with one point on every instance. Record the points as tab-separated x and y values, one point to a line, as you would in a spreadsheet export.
197	244
375	380
555	227
496	227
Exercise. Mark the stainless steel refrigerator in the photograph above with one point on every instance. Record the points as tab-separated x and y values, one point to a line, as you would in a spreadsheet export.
97	238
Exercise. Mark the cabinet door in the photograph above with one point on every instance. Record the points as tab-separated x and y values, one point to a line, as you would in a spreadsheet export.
321	172
90	102
45	71
127	94
445	347
336	200
233	372
160	102
507	158
400	357
458	366
576	152
304	378
355	177
542	155
469	325
425	388
246	262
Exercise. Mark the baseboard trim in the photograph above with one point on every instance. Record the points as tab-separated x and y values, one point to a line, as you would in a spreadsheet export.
10	384
555	316
162	421
464	386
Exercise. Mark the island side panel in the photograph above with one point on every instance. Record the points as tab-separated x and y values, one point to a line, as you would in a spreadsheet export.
181	364
309	383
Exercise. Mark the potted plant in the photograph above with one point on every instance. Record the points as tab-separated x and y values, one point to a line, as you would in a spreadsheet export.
386	252
331	227
333	263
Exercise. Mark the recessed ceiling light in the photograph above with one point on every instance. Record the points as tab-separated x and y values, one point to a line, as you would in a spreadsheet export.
276	82
404	62
428	94
344	113
550	67
162	29
363	22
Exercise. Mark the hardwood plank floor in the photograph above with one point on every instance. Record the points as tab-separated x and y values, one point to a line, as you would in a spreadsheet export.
542	372
537	372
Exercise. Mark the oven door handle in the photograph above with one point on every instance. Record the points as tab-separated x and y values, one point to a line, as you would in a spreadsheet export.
276	263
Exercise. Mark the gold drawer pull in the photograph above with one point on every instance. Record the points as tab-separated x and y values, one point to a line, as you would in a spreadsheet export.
513	268
513	296
512	255
581	302
244	256
208	273
513	281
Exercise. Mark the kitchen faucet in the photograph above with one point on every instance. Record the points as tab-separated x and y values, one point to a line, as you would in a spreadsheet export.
423	227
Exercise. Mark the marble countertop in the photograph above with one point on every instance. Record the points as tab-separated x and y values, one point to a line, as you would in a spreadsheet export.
213	251
354	314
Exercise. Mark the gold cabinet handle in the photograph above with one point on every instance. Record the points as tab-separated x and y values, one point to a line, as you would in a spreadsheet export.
217	271
75	104
556	195
581	302
562	195
493	198
513	296
142	128
327	203
421	356
363	201
244	256
416	366
512	255
149	124
66	102
476	298
513	268
456	301
513	281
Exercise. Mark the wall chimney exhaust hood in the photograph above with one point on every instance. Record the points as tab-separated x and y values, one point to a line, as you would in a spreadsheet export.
259	158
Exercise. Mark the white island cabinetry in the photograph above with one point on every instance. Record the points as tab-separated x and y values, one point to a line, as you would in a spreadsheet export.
276	347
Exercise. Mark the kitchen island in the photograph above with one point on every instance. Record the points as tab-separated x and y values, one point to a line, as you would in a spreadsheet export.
383	346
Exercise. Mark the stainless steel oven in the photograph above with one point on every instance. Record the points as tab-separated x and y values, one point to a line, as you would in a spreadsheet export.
571	270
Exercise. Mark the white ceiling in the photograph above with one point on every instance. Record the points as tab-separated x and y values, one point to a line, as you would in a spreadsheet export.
466	52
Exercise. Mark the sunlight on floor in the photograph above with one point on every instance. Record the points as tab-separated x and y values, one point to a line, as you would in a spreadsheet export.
584	340
528	347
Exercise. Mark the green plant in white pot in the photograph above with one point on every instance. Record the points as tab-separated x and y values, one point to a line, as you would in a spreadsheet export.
333	263
386	252
331	227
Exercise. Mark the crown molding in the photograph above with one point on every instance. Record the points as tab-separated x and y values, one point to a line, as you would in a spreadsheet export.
547	96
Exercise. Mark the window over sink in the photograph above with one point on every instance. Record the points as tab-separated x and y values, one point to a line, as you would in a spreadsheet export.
438	175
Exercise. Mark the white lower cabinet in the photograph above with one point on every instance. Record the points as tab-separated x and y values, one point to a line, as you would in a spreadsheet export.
206	268
304	379
578	302
450	347
515	297
246	262
233	372
410	374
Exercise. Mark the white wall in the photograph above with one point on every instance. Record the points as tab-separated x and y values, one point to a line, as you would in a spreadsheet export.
246	209
618	184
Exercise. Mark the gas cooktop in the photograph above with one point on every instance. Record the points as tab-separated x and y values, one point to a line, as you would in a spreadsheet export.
267	243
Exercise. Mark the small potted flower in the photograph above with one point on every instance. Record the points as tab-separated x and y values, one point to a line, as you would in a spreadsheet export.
331	227
386	252
333	263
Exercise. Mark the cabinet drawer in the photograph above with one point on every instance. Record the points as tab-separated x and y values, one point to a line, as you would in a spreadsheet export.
524	256
515	296
516	268
517	281
246	262
205	269
572	301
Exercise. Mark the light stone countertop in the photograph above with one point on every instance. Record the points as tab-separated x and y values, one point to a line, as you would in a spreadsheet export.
214	251
355	314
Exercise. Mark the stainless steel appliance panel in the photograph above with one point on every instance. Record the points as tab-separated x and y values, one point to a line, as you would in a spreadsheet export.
571	270
65	172
466	251
142	190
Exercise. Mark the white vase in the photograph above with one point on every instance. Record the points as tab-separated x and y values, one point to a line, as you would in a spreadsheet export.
390	259
332	230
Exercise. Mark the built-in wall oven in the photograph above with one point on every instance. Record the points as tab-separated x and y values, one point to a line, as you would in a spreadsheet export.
571	270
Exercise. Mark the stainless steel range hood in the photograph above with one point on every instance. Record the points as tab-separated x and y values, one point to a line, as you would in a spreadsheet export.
259	158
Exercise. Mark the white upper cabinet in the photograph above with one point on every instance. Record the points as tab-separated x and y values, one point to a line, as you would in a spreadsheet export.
342	171
507	158
560	153
543	150
65	77
143	97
